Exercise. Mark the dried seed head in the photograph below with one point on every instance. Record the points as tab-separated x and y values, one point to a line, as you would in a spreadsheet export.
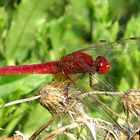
131	102
61	97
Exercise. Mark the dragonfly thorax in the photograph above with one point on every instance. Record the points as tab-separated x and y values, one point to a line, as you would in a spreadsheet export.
102	65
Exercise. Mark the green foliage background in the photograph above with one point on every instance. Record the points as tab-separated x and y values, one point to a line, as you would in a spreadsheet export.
33	31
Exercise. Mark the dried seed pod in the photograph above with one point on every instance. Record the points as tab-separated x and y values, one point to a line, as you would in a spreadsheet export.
60	97
131	102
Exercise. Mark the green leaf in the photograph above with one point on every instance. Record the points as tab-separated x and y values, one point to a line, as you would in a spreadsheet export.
27	18
24	84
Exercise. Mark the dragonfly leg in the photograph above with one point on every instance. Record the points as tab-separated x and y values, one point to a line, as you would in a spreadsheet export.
71	80
68	97
92	85
90	80
67	89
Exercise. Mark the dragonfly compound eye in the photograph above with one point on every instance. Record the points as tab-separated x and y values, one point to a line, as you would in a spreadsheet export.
102	65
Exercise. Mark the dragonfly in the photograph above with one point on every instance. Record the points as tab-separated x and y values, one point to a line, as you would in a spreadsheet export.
80	61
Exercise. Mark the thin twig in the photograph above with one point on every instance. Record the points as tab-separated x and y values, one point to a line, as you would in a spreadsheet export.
20	101
106	93
60	131
42	128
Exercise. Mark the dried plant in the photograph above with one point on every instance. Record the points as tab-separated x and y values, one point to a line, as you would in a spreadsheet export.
64	101
131	102
60	98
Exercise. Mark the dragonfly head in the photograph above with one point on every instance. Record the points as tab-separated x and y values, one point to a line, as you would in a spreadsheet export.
102	65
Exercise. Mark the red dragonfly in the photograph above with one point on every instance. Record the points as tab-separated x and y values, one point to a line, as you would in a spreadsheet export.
77	62
80	61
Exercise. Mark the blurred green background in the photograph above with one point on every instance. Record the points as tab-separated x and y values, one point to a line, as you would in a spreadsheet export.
33	31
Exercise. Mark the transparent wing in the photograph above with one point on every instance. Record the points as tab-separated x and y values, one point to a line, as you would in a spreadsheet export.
113	49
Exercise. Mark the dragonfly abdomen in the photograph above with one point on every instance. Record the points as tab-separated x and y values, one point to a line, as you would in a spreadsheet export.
44	68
